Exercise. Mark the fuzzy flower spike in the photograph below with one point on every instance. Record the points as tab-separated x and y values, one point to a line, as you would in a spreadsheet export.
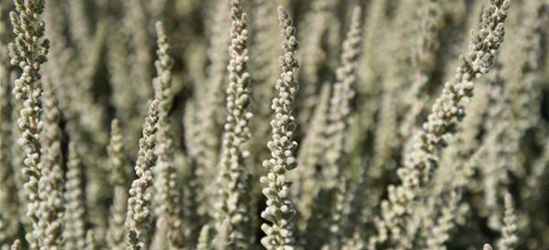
280	210
28	52
138	218
446	114
233	210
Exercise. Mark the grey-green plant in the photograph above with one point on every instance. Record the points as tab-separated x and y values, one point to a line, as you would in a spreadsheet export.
139	215
204	240
509	237
446	113
120	173
208	137
280	212
340	103
232	208
51	208
28	52
388	156
75	232
167	193
310	157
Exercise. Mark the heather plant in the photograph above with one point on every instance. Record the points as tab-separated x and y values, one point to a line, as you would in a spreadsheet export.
280	211
389	125
421	161
74	231
166	180
232	210
29	52
120	175
138	218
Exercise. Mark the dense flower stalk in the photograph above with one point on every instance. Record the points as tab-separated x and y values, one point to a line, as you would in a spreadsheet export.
443	205
162	83
17	155
208	136
116	233
509	237
75	232
363	147
337	130
340	103
310	157
50	185
314	55
446	113
447	110
233	208
337	220
191	198
29	51
117	160
502	140
119	168
204	240
138	217
167	195
280	210
120	175
440	232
